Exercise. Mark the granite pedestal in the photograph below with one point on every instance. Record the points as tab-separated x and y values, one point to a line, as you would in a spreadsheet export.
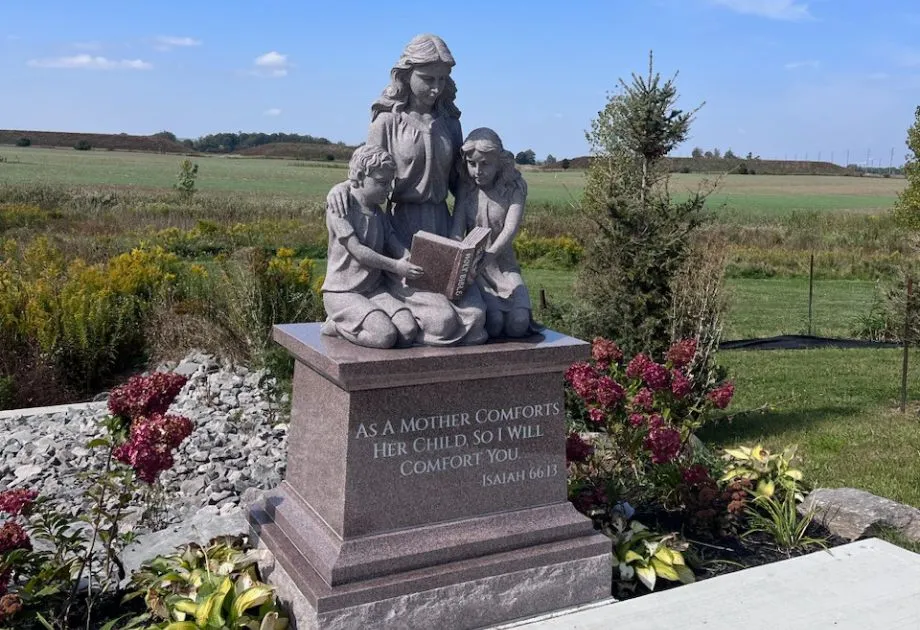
426	487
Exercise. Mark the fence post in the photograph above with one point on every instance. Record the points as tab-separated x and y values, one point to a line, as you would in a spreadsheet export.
542	299
906	341
811	289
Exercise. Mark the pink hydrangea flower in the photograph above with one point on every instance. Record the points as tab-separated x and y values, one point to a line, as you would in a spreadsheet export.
13	502
13	536
146	395
643	400
609	392
149	448
656	376
680	384
636	420
605	352
664	443
597	416
583	379
722	395
681	353
637	366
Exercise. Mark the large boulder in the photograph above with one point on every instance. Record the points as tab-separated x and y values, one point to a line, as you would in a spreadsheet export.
853	513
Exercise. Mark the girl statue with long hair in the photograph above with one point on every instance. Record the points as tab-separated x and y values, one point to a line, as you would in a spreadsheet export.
491	193
416	121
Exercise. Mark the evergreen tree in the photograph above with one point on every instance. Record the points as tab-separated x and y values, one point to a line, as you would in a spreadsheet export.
638	236
907	207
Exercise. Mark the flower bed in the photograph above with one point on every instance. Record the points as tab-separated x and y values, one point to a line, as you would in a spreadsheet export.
676	511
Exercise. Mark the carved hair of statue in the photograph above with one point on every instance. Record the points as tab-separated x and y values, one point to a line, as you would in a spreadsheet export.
368	159
485	140
423	49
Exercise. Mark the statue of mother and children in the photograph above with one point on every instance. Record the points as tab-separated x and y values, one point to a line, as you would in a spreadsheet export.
415	154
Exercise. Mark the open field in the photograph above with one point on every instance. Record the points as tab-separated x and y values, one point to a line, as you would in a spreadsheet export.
740	197
839	406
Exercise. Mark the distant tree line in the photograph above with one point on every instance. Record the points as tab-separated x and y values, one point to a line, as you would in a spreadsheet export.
229	142
715	154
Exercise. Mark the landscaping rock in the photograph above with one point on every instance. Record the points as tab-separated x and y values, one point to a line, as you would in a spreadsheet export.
852	513
237	449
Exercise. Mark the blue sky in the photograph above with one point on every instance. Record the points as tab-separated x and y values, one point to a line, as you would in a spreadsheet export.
780	78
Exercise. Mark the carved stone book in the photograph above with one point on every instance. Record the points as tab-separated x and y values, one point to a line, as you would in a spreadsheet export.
447	263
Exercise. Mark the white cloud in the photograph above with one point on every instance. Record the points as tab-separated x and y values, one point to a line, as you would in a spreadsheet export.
273	111
789	10
271	64
168	42
89	62
272	60
814	64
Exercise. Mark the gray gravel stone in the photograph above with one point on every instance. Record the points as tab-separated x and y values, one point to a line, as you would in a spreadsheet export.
237	449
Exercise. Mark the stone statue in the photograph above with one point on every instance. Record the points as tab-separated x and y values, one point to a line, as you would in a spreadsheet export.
491	193
359	306
415	119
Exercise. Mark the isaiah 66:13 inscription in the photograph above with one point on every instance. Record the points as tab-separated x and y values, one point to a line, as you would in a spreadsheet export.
426	482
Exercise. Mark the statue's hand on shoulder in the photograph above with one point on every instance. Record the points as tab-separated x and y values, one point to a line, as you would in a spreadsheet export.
337	200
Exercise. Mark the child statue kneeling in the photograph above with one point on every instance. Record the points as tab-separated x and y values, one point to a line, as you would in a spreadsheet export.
357	303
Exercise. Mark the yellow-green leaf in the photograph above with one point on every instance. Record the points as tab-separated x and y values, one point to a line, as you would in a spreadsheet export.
794	473
185	606
647	576
204	610
677	558
181	625
739	453
631	556
665	570
664	555
255	596
766	488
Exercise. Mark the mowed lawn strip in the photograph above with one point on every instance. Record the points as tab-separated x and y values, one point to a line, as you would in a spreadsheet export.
777	306
839	406
757	307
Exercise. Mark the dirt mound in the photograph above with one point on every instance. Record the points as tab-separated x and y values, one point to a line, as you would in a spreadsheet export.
300	151
122	141
722	165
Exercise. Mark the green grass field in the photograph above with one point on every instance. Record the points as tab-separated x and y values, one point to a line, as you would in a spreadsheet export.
839	406
739	197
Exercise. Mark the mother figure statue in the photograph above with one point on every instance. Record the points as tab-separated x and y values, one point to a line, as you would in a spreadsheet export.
416	121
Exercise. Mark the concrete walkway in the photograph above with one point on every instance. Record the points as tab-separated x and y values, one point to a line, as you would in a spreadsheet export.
865	585
40	411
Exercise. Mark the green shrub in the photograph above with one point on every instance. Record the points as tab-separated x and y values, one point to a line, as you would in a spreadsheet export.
88	319
83	145
185	179
14	215
556	252
24	142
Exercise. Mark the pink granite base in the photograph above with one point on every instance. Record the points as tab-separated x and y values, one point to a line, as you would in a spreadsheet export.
429	468
478	603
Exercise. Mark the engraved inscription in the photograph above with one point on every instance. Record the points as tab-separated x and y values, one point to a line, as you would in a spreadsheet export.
494	439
